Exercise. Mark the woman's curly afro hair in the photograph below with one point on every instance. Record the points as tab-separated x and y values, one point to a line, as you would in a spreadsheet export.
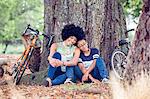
72	30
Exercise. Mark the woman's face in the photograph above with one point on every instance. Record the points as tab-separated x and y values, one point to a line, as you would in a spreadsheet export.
71	40
83	45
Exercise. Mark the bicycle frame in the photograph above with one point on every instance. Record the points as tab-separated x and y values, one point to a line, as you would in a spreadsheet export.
118	58
23	61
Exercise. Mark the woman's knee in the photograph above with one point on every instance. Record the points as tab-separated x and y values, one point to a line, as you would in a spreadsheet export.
57	55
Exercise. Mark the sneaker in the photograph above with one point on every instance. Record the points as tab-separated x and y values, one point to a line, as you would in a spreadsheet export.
47	82
105	80
68	80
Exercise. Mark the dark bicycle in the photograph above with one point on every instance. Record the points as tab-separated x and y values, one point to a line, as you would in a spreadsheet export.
118	58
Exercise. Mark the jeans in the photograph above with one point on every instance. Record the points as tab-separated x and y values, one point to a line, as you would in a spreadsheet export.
99	72
56	75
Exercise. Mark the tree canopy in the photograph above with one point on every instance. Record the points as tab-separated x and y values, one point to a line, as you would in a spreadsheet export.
132	7
16	14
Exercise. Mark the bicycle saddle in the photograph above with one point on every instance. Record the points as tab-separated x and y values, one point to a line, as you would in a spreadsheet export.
123	42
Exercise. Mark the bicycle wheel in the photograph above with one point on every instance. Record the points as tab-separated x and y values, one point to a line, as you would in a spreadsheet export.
16	78
22	68
19	73
118	61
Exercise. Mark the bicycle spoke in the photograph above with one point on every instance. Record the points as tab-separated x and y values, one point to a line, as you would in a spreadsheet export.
118	61
117	57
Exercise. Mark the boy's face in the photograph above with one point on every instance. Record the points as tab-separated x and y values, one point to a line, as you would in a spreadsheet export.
83	45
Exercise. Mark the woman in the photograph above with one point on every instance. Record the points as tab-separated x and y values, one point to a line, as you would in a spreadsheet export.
91	66
64	56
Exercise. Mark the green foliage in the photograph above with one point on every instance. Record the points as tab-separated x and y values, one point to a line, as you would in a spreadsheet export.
132	7
16	14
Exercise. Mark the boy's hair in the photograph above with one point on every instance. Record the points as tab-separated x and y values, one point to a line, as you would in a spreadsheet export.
72	30
1	72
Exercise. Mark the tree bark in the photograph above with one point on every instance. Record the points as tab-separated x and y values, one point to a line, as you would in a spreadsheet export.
102	20
138	59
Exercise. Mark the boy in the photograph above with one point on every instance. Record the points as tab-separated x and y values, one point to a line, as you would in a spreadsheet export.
91	67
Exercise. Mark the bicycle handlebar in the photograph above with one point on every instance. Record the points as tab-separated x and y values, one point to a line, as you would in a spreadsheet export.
36	32
129	30
126	33
49	39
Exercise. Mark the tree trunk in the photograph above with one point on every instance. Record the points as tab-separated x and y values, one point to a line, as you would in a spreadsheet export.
102	20
138	59
105	26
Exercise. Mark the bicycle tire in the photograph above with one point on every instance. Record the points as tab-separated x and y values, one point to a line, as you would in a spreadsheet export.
16	78
17	70
118	62
19	74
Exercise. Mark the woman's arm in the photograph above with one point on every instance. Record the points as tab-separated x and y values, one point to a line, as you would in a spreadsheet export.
74	61
52	50
54	62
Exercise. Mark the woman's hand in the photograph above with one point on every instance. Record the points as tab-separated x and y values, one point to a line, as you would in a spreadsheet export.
55	62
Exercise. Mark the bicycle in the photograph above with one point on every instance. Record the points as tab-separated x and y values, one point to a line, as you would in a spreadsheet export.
118	58
23	61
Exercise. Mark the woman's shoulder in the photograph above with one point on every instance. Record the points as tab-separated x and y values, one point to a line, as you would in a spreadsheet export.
54	45
59	43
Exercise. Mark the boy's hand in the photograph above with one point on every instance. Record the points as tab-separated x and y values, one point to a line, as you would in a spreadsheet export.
85	77
94	80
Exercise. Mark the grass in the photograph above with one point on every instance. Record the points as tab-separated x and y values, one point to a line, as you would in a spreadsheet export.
12	49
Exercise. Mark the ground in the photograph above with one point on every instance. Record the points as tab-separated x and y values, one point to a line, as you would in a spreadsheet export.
64	91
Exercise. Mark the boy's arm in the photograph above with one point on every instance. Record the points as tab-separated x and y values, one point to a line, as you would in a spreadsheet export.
92	66
83	69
